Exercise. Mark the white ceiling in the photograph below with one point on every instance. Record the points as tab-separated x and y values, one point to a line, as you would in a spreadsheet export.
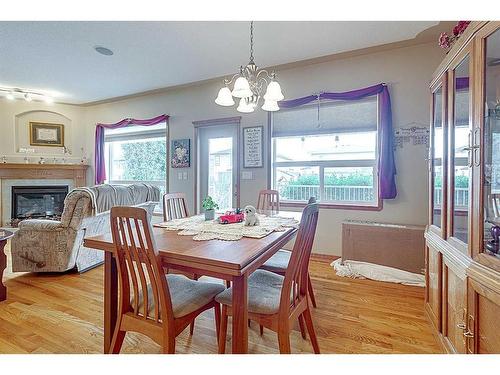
59	56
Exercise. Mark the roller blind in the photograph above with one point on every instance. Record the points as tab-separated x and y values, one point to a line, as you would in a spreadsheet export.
334	117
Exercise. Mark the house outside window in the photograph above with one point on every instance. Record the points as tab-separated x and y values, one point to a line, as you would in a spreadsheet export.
137	154
328	152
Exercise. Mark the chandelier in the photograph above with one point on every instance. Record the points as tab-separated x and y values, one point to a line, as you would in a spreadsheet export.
249	86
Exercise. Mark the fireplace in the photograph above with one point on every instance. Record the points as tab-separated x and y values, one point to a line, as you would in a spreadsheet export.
30	202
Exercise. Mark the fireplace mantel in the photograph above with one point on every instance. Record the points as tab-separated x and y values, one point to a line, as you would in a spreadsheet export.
76	172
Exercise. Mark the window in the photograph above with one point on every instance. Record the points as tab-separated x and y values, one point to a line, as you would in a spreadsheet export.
328	152
137	153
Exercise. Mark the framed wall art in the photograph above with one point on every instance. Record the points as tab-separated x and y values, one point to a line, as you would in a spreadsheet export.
46	134
253	151
180	153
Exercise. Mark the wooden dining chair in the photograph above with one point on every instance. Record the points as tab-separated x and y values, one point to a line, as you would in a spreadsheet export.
161	306
278	263
269	200
174	206
276	301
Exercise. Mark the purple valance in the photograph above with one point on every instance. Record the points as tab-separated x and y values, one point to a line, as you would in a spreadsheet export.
100	164
386	163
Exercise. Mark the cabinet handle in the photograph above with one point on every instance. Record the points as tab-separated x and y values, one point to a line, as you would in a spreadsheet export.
462	326
468	334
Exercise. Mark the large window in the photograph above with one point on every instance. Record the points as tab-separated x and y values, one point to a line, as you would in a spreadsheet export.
327	152
137	153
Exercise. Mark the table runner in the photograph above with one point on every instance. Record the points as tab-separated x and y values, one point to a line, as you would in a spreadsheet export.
202	230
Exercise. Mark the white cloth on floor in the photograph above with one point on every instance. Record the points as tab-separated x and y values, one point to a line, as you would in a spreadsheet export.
363	270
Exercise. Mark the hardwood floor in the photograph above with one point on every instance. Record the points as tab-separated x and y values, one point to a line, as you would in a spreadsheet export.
63	314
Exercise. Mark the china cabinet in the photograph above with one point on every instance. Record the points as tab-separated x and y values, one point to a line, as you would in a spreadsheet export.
462	298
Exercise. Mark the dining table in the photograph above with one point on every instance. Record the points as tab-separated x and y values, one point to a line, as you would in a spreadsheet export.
233	261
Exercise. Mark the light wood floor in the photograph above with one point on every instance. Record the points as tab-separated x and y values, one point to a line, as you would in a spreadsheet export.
63	314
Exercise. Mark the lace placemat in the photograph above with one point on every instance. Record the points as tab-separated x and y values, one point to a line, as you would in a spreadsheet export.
202	230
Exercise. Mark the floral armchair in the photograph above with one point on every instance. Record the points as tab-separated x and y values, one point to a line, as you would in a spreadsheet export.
57	246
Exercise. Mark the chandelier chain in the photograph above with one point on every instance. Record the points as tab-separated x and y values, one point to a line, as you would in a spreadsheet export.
251	41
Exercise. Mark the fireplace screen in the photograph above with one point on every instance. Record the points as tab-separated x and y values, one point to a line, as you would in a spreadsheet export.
38	201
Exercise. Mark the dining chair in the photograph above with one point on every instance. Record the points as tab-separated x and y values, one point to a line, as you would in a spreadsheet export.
174	206
269	200
276	301
162	305
278	263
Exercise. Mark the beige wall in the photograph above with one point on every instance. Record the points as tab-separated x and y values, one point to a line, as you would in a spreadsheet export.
406	70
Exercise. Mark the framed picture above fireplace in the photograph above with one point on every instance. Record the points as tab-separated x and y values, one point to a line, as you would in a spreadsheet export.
46	134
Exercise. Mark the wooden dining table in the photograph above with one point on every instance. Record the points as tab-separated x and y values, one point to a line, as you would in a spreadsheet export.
227	260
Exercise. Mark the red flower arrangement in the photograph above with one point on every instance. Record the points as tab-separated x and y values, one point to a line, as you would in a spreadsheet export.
445	40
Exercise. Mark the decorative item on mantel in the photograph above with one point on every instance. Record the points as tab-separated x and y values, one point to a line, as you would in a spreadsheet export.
417	135
249	85
26	151
446	41
4	159
83	160
66	152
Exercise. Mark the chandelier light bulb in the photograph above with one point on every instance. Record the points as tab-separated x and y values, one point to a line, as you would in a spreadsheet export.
245	107
10	95
241	88
28	97
273	92
270	106
224	98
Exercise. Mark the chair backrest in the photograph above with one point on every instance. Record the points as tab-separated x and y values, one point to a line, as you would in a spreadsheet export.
296	275
269	200
174	206
138	264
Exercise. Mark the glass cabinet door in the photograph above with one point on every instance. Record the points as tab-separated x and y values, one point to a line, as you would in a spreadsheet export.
491	145
460	154
437	158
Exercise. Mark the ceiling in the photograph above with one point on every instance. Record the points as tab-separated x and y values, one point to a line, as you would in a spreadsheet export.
59	57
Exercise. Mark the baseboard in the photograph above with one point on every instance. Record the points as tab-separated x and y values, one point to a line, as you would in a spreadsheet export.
325	258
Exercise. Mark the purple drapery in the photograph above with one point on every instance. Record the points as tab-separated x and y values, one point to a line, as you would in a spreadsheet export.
100	165
386	164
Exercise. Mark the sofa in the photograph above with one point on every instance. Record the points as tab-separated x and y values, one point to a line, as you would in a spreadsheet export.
57	246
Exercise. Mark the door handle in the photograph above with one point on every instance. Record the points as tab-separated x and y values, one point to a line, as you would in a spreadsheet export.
476	156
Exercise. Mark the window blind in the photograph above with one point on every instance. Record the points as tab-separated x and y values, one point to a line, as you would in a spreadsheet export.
334	117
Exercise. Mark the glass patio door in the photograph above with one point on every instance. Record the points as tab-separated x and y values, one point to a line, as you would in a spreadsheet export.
218	161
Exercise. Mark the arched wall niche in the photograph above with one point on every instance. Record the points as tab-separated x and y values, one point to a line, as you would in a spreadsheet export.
22	137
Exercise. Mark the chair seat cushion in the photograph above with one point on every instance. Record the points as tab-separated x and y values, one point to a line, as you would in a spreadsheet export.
187	295
278	262
264	293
